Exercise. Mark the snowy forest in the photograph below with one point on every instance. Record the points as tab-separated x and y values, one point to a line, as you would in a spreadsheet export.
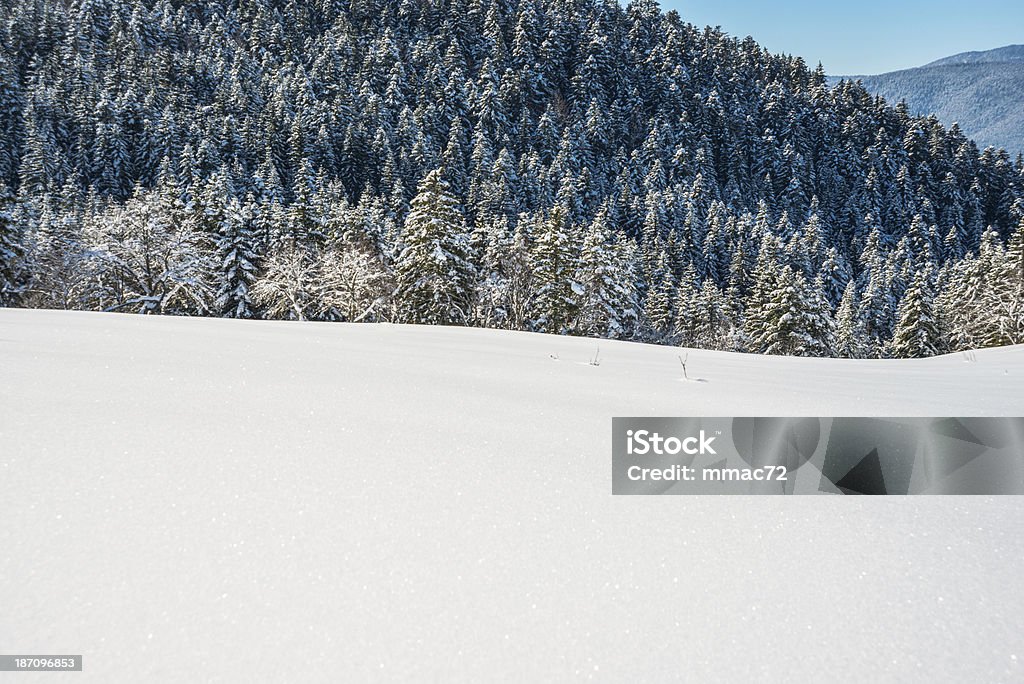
564	166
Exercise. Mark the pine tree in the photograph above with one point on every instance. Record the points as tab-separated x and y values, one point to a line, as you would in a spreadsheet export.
1005	301
434	271
659	299
849	329
965	305
688	309
608	305
235	258
493	288
716	325
917	332
878	302
794	319
555	265
12	251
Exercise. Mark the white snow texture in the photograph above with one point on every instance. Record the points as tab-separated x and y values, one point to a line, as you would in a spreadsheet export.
192	500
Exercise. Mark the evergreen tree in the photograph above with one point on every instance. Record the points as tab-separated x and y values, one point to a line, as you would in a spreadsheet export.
608	305
793	320
917	331
434	271
850	338
12	250
688	309
1014	280
555	265
658	302
235	258
1005	301
716	325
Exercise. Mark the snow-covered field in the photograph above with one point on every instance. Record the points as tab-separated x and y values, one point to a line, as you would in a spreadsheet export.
209	500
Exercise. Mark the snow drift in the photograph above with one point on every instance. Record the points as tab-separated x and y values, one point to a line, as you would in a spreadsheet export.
202	499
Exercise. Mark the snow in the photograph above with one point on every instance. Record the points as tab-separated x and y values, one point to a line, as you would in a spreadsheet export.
203	499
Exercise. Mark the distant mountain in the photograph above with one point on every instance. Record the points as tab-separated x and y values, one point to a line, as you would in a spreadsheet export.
1010	53
982	91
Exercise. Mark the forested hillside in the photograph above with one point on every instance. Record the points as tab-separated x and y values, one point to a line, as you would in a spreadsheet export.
566	166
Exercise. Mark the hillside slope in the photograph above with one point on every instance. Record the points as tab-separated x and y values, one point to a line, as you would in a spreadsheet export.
982	91
202	499
587	167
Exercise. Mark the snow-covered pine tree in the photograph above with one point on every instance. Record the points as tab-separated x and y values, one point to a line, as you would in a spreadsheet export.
517	272
962	304
917	332
658	302
794	320
688	309
434	272
492	301
235	261
850	336
12	251
555	260
608	303
878	302
1006	299
717	325
764	281
835	274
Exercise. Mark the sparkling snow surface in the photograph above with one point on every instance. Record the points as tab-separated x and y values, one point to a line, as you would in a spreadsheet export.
194	500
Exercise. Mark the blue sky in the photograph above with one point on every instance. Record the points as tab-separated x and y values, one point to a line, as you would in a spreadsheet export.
866	36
